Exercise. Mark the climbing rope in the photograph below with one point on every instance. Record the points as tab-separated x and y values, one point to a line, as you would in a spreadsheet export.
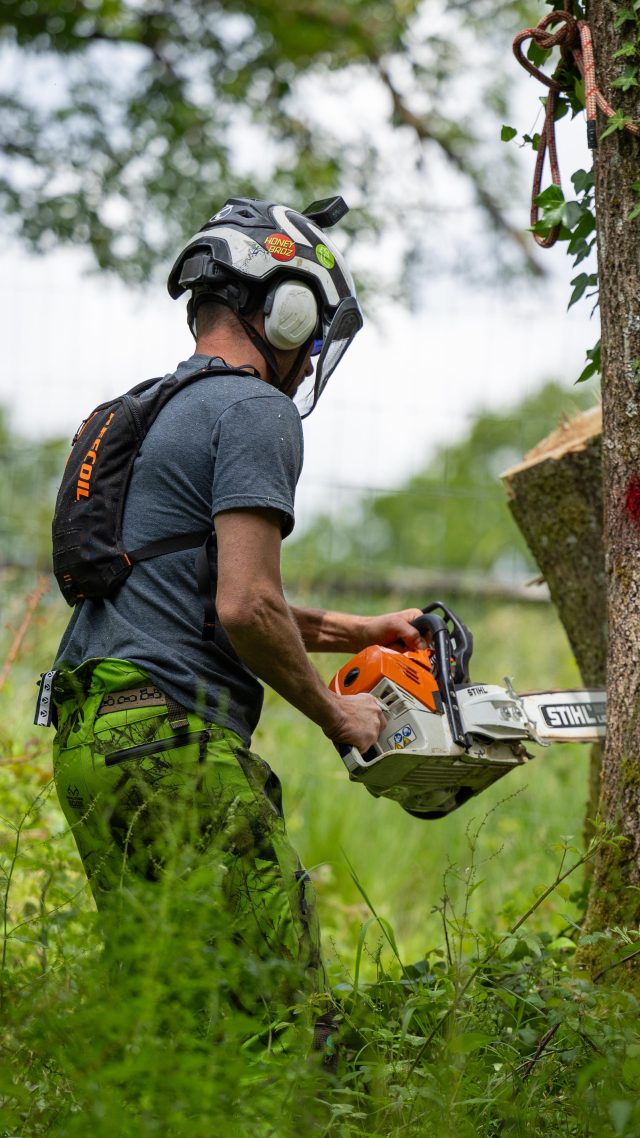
573	37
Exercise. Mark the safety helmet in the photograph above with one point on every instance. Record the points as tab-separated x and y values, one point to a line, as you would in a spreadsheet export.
258	255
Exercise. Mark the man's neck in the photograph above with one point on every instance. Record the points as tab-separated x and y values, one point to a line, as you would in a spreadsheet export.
234	347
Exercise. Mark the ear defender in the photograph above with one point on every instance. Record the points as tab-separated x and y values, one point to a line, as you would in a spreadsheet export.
290	315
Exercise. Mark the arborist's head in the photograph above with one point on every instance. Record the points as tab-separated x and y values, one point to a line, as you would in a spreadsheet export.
262	259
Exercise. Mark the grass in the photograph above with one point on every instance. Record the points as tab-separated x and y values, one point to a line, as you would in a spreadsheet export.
455	1016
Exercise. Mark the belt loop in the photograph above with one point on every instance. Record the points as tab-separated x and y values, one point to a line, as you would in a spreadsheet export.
178	717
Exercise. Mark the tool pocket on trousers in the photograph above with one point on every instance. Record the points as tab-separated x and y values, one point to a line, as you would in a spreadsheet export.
172	743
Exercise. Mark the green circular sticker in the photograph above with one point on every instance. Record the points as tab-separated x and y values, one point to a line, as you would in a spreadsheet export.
325	256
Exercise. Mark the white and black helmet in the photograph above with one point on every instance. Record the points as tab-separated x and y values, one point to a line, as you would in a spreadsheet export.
258	255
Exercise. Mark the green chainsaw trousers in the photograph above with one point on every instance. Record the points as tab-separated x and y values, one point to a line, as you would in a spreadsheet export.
174	817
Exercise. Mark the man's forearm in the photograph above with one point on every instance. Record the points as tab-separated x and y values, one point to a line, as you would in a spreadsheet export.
346	632
272	646
330	631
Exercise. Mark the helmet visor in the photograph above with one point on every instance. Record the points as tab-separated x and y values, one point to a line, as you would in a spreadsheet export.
338	334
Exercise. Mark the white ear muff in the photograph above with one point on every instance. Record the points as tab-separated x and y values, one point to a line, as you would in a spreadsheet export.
291	315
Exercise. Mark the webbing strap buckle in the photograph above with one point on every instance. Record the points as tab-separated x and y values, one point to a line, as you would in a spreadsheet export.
44	703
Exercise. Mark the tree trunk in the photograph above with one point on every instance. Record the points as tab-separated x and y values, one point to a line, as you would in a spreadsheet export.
615	893
555	496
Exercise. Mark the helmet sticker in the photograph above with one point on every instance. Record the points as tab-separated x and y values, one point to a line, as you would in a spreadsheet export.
325	256
224	212
281	247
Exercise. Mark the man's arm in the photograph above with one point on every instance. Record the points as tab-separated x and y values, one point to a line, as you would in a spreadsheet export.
345	632
258	621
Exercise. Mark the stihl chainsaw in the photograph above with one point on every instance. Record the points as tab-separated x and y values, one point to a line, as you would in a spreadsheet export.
446	738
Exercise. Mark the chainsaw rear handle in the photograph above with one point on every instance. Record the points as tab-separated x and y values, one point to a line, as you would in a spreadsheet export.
353	759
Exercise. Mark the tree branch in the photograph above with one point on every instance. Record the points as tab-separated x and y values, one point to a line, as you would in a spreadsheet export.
425	133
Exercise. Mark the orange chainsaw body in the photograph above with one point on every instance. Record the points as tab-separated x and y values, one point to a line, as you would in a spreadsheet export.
411	671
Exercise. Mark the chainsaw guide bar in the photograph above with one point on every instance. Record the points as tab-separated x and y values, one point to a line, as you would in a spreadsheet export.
447	739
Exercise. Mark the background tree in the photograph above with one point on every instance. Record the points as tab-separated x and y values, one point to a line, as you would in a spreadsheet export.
122	123
615	895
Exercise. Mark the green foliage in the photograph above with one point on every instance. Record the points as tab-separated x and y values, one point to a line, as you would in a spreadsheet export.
154	114
452	515
488	1032
576	220
29	477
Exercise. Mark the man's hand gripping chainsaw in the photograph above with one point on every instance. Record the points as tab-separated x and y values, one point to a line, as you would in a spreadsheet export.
446	738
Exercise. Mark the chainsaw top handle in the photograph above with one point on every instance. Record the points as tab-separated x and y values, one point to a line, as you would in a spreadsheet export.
443	650
459	635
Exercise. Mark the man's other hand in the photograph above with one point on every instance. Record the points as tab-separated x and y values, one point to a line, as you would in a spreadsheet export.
393	628
360	721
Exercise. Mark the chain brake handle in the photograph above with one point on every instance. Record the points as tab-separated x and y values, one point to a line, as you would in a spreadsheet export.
460	637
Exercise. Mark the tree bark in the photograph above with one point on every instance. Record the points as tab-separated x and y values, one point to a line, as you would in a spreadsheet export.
555	496
615	893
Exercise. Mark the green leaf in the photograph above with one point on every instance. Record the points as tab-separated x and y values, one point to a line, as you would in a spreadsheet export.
471	1041
618	121
580	285
507	133
508	947
536	54
626	16
551	194
627	80
593	367
533	139
582	181
533	944
635	212
562	943
571	214
627	49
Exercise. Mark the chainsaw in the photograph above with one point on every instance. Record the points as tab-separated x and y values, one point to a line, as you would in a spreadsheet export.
447	739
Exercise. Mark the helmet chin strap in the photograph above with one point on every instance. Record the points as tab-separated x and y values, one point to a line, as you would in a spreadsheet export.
283	383
280	382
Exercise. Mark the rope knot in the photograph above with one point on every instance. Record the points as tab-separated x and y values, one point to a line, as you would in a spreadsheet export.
567	38
573	37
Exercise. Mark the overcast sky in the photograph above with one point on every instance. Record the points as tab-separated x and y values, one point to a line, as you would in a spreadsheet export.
408	383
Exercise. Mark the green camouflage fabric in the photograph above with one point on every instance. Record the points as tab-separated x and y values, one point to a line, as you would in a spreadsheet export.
154	809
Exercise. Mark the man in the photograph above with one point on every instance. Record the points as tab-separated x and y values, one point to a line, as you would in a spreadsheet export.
151	757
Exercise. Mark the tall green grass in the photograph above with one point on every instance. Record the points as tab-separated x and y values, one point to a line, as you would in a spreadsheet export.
455	1016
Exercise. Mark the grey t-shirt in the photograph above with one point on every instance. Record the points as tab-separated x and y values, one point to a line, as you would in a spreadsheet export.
224	442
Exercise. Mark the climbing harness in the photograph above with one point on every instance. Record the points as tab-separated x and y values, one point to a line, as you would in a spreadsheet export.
573	38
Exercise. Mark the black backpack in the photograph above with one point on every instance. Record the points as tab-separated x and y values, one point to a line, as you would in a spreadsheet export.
89	557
